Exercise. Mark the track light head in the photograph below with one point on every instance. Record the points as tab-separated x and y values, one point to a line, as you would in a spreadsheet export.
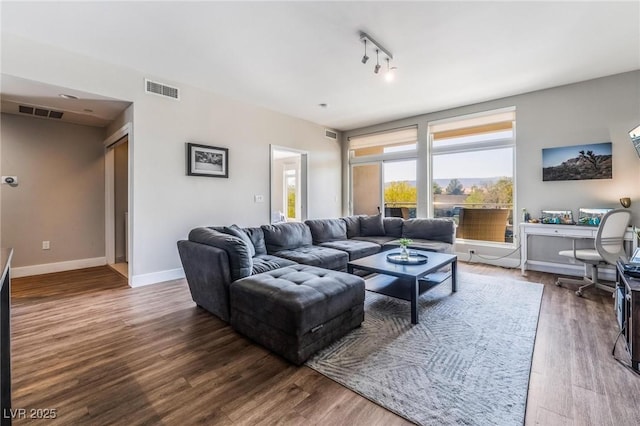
390	74
377	67
365	58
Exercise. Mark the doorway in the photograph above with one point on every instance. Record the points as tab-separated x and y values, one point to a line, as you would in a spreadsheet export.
121	205
117	213
288	198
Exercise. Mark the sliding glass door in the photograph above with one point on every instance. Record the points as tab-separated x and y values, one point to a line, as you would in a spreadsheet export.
366	193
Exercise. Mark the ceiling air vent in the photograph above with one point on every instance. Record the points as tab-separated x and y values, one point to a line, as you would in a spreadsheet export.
330	134
40	112
161	89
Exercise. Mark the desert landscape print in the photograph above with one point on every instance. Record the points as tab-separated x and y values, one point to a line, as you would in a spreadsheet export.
577	162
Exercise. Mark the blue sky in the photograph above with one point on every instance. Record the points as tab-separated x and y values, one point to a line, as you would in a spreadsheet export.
555	156
478	164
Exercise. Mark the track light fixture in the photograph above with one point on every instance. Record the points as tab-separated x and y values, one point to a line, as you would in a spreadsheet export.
365	58
379	48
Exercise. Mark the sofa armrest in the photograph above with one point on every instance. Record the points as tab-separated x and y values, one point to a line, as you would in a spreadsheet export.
208	275
240	261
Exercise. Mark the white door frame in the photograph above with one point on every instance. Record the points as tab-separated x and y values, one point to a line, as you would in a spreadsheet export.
109	201
303	179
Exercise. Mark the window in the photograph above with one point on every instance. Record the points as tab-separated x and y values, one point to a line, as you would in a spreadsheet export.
472	175
383	173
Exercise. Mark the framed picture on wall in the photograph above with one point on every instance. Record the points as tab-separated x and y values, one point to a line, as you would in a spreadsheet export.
205	160
577	162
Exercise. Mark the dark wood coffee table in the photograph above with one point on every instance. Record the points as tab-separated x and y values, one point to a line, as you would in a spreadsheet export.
407	282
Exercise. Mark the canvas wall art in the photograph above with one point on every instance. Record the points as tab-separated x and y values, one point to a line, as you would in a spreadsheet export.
577	162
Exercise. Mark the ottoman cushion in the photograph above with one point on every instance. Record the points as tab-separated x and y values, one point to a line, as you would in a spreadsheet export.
297	310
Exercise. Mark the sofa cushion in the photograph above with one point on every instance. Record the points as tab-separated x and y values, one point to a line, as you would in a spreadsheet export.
393	226
353	225
422	244
430	229
325	230
371	226
237	232
266	262
356	249
257	238
380	240
323	257
240	261
286	236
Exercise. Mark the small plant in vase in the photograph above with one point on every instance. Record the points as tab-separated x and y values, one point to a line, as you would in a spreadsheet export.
404	244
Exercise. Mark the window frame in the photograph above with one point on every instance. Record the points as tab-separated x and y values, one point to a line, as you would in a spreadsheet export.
498	143
381	158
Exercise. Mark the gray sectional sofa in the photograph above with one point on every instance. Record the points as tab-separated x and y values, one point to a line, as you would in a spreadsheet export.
284	284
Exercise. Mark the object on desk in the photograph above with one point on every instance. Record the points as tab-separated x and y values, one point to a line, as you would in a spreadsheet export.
631	270
635	258
608	248
625	202
558	217
591	217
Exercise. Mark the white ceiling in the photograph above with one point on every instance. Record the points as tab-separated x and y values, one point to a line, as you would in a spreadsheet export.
292	56
88	109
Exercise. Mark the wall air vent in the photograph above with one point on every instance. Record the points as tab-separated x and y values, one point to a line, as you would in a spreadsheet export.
161	89
40	112
330	134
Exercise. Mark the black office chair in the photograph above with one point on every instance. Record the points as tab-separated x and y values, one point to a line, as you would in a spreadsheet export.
608	247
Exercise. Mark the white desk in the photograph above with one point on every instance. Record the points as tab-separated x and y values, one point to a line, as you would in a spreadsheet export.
549	230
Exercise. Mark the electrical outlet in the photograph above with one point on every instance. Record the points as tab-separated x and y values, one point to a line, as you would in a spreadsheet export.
471	251
258	198
46	245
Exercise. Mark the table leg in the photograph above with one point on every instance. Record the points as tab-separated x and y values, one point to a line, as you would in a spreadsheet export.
523	252
454	276
415	294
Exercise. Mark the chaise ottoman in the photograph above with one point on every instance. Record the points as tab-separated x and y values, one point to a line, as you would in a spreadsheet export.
296	310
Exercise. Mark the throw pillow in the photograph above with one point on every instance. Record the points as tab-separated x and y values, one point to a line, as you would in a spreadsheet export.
371	226
236	231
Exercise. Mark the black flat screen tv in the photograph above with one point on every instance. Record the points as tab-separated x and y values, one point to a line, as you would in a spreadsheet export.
634	134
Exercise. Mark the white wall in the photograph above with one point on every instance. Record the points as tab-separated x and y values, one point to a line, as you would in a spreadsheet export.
166	203
599	110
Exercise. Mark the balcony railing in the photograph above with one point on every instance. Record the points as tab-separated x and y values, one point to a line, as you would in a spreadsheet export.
444	209
406	210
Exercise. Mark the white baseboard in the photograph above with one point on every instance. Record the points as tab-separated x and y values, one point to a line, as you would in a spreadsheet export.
607	273
156	277
47	268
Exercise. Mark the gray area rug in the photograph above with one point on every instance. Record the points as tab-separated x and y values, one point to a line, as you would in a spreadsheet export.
466	363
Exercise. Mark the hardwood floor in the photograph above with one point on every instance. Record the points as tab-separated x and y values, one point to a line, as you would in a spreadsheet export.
100	352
